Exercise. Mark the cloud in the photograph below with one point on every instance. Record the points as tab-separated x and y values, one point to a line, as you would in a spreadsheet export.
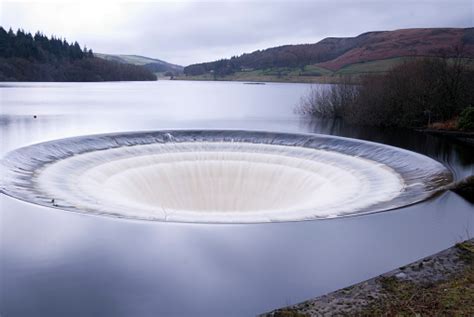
185	32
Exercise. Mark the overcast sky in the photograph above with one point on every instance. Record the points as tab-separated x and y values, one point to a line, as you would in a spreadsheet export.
185	32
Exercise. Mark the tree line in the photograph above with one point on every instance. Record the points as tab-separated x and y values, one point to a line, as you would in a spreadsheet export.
417	93
283	56
27	57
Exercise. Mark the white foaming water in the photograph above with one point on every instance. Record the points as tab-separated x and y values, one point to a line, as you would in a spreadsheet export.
220	176
219	182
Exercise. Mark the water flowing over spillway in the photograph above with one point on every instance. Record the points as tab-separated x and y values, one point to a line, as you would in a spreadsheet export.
220	176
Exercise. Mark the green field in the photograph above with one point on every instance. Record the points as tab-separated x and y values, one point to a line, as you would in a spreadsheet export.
379	66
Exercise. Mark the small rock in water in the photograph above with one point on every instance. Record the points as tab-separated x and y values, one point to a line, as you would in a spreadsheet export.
465	188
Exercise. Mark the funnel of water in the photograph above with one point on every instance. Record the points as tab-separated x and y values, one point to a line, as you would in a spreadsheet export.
220	176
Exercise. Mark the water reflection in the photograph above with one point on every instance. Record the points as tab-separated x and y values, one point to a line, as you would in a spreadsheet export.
454	154
59	263
55	263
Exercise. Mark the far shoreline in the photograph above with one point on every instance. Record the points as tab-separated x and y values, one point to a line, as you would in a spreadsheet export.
268	79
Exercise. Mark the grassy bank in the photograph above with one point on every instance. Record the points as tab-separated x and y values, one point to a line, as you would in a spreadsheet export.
453	297
254	77
306	74
311	73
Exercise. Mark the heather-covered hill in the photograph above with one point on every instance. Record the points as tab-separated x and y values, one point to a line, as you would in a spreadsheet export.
408	42
333	54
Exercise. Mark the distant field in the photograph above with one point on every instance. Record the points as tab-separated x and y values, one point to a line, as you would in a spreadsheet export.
247	77
381	66
312	73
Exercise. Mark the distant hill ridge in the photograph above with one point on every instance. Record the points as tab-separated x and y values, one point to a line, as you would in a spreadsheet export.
334	53
152	64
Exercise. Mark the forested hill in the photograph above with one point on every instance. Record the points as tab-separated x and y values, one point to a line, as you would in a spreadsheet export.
332	54
27	57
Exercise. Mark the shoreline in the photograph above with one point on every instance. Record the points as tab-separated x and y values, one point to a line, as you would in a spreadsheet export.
371	297
269	79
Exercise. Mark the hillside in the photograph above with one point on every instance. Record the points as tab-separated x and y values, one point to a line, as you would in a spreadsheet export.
402	43
152	64
368	52
24	57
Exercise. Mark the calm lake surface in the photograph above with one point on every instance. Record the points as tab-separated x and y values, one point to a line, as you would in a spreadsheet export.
55	263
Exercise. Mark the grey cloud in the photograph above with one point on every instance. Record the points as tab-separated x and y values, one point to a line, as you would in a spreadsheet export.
192	31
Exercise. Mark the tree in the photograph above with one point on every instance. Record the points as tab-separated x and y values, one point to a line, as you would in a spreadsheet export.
24	57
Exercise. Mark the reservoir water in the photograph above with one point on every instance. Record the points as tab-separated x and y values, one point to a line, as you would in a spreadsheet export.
57	263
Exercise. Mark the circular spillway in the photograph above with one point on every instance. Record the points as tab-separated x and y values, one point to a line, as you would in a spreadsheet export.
220	176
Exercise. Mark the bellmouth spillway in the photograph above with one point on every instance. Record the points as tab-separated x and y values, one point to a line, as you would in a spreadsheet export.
220	176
